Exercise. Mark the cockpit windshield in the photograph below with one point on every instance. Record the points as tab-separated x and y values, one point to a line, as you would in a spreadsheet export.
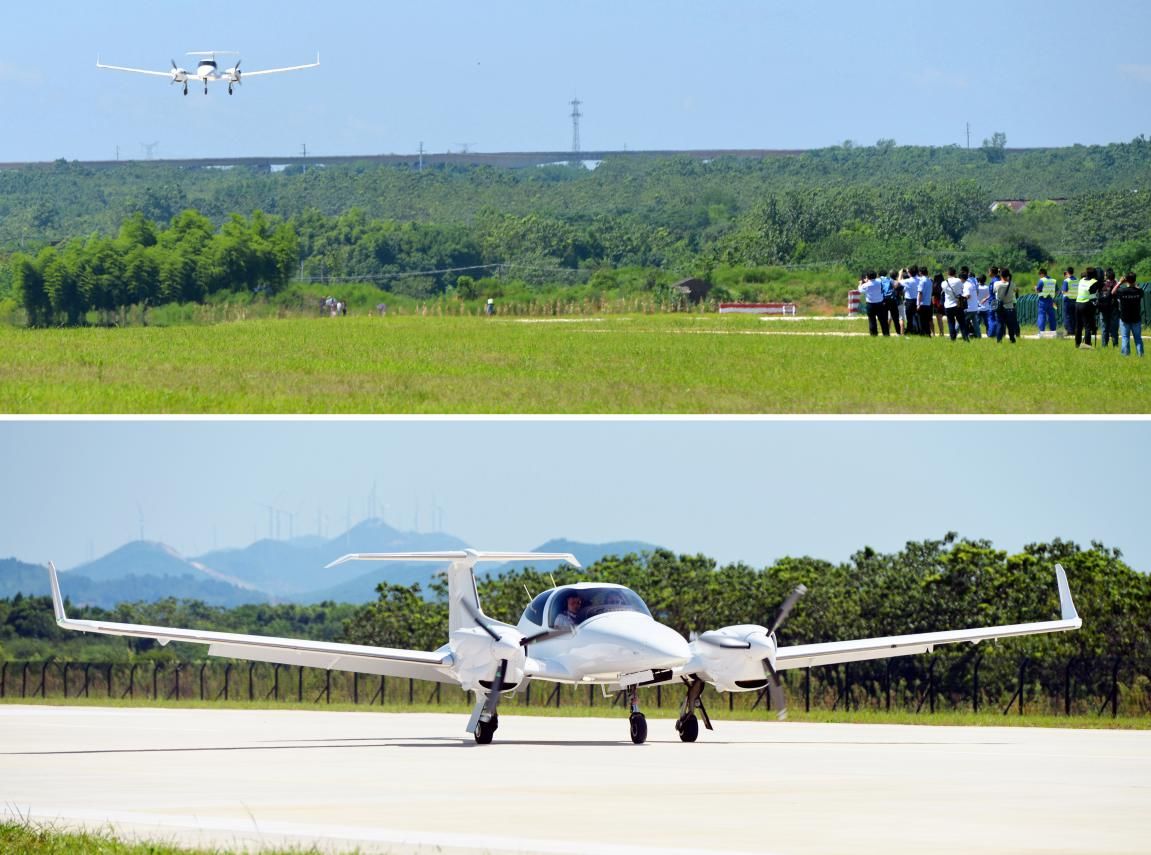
572	606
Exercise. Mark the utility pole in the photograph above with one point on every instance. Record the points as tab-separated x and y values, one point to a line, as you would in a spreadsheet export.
421	166
969	134
576	114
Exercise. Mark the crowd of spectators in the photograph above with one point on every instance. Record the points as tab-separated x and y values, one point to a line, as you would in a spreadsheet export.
912	301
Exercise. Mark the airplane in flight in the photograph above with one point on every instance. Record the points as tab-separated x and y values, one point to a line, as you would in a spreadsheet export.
208	71
587	633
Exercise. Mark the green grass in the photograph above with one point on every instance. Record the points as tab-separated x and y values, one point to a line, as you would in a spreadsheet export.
33	838
686	363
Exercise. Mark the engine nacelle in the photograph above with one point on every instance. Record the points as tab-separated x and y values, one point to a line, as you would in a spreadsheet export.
732	658
476	655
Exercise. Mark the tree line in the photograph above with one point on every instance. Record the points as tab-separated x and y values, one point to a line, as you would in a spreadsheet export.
929	585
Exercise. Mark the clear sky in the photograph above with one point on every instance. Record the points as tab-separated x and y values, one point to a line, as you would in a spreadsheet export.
731	489
667	74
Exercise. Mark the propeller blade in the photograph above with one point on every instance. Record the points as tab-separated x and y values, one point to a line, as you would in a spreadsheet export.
775	690
786	608
174	66
479	619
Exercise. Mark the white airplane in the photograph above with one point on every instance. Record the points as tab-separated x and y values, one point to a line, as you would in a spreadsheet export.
589	633
208	71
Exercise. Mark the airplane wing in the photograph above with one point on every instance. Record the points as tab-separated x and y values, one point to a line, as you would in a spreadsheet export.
830	653
279	70
167	74
387	661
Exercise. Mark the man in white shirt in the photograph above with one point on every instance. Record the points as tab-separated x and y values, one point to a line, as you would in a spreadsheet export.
909	279
872	288
952	297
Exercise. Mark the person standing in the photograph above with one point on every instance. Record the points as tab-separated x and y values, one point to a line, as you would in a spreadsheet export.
1108	319
872	290
984	295
1085	306
1068	290
1129	299
953	305
923	302
971	295
909	279
1046	288
891	299
992	314
1005	306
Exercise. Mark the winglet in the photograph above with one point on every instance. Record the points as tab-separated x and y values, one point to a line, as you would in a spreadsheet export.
57	600
1066	605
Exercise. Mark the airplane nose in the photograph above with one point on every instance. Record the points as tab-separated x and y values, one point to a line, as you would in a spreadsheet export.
640	641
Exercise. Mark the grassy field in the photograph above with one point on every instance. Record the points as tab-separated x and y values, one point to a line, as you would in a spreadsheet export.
43	839
630	364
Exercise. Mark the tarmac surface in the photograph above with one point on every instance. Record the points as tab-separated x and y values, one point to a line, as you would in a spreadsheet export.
413	782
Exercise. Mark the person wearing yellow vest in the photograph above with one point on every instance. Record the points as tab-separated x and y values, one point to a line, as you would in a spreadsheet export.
1046	288
1085	307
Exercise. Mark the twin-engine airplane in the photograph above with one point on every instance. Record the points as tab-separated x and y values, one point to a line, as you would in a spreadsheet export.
208	71
589	633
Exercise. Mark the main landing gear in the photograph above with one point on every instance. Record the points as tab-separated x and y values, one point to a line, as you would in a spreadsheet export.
185	88
687	725
485	730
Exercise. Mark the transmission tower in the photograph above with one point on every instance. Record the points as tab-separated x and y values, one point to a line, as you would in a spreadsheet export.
149	150
575	102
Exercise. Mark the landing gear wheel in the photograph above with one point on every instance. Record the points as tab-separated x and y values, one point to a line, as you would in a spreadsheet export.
485	730
638	724
688	728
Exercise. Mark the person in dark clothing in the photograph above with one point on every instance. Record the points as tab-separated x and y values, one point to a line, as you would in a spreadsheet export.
1005	306
1129	298
1085	306
1108	319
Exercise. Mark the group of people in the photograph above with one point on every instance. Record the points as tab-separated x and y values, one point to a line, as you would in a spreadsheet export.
1091	302
913	302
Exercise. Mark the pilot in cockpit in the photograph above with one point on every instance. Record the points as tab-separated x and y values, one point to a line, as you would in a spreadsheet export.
570	615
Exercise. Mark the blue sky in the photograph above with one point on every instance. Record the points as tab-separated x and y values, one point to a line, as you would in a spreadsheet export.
499	75
731	489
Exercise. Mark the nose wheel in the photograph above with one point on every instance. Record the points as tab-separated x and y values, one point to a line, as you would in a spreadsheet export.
637	721
638	726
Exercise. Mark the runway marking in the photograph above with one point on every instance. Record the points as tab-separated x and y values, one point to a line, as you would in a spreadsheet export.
312	831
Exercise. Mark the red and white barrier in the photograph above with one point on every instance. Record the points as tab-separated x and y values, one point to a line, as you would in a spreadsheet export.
757	308
853	302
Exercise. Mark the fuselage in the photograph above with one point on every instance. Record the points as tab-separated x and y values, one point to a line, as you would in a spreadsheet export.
613	636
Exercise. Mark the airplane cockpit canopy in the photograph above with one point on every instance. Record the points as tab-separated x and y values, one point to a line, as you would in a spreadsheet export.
595	601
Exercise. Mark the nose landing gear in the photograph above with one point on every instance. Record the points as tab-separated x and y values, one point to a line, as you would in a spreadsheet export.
637	720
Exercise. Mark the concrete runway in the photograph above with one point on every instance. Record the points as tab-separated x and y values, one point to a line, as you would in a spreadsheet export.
417	783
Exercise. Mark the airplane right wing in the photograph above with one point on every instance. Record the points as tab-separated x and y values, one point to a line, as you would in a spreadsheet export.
281	70
167	74
832	652
386	661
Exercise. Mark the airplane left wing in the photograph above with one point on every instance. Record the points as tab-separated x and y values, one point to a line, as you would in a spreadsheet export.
279	70
167	74
387	661
832	652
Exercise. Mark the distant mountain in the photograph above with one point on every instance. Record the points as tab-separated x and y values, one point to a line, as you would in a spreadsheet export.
16	577
296	569
148	558
272	570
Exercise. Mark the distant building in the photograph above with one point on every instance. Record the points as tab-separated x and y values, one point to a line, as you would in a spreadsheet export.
696	290
1017	205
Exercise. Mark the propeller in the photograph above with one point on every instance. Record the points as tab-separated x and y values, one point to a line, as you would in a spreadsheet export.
492	702
775	684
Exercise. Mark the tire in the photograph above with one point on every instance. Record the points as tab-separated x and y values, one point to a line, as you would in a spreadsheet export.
485	730
688	728
638	728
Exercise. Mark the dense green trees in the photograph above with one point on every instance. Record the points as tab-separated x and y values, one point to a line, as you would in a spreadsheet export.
177	238
146	266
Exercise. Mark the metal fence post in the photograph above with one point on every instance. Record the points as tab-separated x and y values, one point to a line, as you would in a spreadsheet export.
300	686
807	690
203	668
